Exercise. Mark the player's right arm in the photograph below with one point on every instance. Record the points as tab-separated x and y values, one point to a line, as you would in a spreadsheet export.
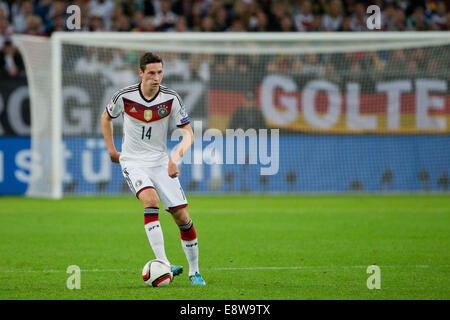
107	129
112	111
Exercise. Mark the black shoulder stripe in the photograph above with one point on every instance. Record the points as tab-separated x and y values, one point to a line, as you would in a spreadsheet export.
118	96
174	94
165	89
125	89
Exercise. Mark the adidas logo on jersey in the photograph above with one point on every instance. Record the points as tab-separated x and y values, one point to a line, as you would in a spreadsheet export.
133	110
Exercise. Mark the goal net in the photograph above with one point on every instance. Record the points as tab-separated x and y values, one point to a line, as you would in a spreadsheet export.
286	112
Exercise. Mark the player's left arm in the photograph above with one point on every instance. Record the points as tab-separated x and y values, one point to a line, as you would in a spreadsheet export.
185	144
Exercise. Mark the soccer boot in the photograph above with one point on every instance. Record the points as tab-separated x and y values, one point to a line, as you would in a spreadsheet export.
197	280
176	270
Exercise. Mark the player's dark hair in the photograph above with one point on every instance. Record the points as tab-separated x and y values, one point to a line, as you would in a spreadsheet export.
149	57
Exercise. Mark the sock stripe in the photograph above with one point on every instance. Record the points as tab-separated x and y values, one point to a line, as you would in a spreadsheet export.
187	226
148	219
188	235
151	211
151	214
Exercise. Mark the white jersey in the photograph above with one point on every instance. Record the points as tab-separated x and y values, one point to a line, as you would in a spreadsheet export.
145	124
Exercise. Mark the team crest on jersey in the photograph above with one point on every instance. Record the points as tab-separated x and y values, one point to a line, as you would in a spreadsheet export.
162	112
147	114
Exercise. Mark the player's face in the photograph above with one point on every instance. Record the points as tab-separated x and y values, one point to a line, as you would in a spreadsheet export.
152	75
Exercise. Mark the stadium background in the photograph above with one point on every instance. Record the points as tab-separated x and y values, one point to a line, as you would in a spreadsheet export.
266	246
333	160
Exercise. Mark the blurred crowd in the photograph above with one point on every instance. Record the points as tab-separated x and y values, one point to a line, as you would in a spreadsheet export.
42	17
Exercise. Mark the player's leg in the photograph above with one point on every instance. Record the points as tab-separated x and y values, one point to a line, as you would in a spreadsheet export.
188	235
189	242
150	201
141	185
173	198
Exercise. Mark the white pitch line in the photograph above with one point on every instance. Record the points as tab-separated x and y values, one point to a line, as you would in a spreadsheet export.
315	267
56	271
238	268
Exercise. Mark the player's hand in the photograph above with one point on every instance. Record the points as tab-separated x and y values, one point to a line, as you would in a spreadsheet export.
114	156
173	169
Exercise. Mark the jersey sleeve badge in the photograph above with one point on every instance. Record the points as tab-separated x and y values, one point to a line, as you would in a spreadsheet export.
110	106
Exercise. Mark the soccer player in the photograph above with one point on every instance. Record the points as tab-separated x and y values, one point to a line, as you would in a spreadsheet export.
147	108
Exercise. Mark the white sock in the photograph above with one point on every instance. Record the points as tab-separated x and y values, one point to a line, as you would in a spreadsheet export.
190	249
189	243
155	238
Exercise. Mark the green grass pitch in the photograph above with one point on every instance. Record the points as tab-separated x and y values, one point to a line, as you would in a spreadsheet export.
251	247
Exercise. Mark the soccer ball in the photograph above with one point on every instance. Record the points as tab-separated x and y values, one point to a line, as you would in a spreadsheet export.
157	273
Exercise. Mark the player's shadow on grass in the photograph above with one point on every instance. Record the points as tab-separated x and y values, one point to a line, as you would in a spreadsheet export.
181	285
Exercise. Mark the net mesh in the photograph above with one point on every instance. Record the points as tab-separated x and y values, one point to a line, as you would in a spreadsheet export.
37	54
355	115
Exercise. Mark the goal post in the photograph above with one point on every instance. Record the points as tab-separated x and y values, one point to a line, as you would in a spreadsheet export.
359	111
42	64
